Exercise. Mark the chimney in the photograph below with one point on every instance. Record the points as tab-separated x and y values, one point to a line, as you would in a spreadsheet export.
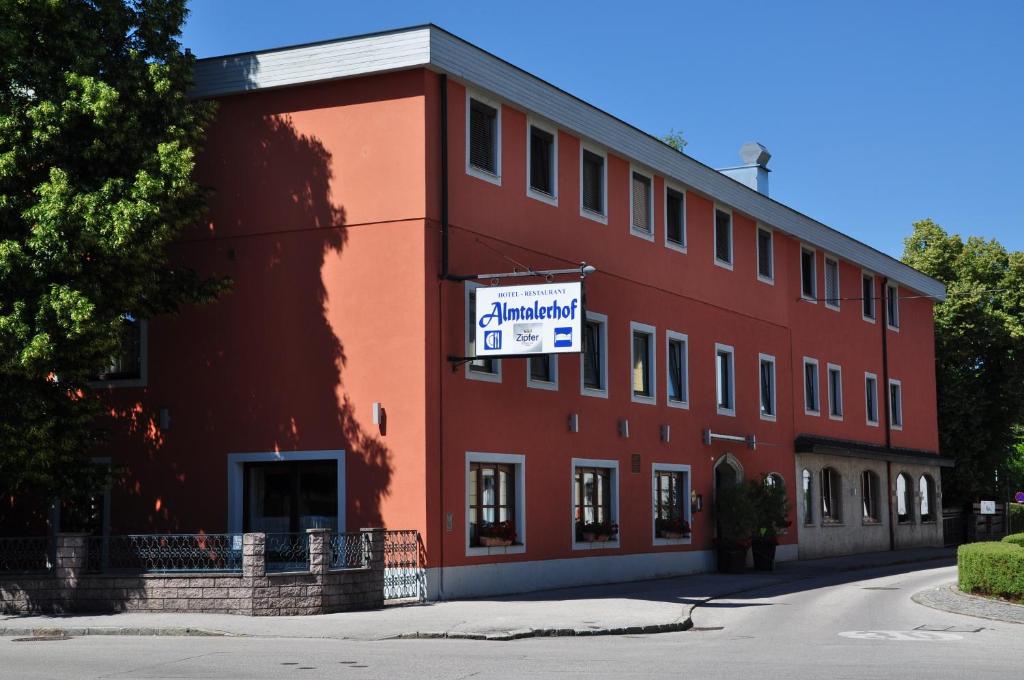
754	171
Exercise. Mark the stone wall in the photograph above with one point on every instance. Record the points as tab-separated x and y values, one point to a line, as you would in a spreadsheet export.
254	592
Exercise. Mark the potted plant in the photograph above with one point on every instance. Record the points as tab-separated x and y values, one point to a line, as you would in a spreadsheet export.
672	528
601	532
771	508
496	534
735	516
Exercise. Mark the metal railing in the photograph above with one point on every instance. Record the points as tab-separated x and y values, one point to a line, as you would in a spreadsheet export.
287	552
25	554
165	553
349	551
404	575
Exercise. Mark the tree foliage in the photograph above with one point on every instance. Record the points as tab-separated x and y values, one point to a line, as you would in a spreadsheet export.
979	348
675	139
97	146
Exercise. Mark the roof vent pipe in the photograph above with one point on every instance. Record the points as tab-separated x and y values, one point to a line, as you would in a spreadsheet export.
754	171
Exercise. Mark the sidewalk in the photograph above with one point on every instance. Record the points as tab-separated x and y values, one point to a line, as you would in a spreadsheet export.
642	607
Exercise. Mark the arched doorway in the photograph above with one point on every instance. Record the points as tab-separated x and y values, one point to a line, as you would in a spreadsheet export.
728	471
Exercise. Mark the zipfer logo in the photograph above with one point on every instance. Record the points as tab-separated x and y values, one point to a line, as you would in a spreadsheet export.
492	340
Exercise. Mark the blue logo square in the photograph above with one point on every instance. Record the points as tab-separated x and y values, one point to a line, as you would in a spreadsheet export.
492	340
563	337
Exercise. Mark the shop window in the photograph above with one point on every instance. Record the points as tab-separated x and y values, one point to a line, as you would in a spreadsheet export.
904	504
290	497
869	497
595	511
927	492
671	502
808	496
831	496
495	518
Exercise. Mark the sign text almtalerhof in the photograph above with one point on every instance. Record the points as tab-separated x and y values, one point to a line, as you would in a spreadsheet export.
541	319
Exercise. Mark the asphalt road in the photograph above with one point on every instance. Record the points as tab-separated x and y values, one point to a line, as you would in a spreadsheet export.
857	626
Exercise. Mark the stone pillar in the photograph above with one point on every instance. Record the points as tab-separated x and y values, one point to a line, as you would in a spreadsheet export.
319	550
254	553
375	539
72	559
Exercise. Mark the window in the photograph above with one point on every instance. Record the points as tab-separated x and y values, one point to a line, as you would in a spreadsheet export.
594	360
892	306
595	503
593	179
671	503
765	256
832	283
543	372
642	375
723	238
867	294
812	400
542	164
871	397
831	496
725	383
483	135
678	365
904	509
869	497
808	496
495	518
926	488
808	275
835	392
290	496
488	369
767	380
641	215
128	368
895	404
675	219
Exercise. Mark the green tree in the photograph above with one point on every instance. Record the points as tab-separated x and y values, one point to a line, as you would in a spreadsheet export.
97	146
675	139
979	351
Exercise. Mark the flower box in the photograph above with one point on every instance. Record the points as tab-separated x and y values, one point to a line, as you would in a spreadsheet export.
494	541
673	535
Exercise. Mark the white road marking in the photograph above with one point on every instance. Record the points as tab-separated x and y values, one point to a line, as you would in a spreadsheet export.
901	635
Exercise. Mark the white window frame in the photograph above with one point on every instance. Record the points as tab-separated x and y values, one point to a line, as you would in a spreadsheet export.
143	379
551	385
770	280
838	371
550	199
639	232
602	216
714	237
773	417
722	411
813	298
679	337
687	509
609	464
834	307
518	461
652	370
471	169
603	358
867	412
888	319
494	377
895	408
865	274
817	385
672	245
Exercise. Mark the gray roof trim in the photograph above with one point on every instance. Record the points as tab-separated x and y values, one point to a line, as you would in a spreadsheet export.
435	47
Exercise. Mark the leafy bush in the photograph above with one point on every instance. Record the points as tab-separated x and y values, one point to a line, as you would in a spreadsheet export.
771	508
736	516
1015	539
991	569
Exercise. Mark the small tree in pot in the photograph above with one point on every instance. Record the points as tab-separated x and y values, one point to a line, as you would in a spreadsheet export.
737	521
771	511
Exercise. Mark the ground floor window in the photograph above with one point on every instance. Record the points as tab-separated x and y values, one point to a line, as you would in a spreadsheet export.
831	496
927	490
671	502
290	497
808	497
491	504
869	497
904	508
595	514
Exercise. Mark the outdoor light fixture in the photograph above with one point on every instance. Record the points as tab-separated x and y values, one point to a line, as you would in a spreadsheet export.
624	428
574	422
165	419
378	413
750	440
666	433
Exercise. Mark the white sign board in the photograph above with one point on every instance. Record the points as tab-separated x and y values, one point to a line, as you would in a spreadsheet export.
988	507
541	319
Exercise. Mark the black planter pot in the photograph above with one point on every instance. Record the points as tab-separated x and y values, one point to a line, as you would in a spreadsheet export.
732	559
764	555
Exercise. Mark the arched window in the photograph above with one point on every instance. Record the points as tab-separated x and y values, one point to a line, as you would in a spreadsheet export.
869	496
927	488
831	496
774	479
904	508
808	497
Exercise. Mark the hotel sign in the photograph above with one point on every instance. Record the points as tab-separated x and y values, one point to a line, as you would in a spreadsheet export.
518	320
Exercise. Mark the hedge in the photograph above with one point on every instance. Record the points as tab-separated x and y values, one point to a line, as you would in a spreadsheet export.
1015	539
1016	517
991	568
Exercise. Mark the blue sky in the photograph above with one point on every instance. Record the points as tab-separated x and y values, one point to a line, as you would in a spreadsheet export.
877	114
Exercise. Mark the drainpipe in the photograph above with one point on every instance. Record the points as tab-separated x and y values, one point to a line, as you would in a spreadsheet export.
442	80
884	317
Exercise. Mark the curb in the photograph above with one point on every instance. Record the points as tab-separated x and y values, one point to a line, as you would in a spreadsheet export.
97	630
521	633
949	598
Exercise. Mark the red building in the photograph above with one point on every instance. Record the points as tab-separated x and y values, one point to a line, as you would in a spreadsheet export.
355	181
